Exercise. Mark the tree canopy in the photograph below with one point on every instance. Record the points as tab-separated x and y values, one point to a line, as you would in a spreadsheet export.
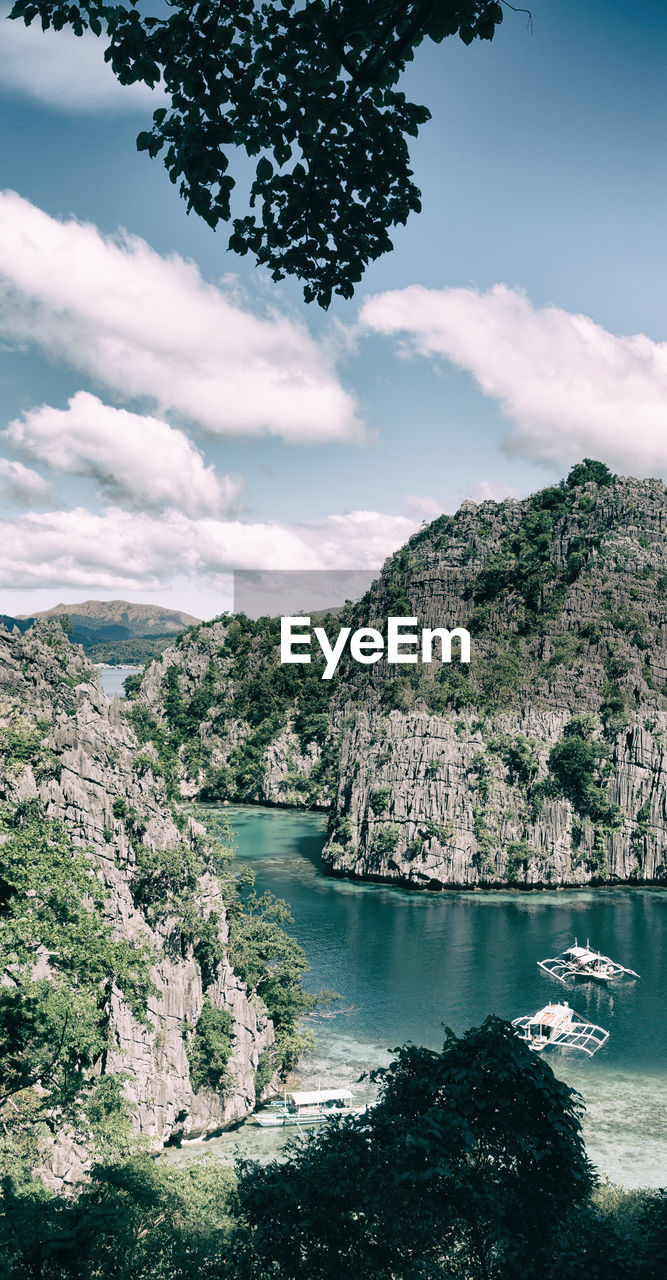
309	87
469	1165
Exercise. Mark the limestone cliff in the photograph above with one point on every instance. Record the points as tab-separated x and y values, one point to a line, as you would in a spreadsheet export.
89	774
544	761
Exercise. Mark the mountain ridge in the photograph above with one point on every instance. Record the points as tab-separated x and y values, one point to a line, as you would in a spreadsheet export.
139	619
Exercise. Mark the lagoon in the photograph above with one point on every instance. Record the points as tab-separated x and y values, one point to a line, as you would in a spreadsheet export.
409	964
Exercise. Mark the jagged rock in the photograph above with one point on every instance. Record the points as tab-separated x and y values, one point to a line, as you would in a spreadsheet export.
93	763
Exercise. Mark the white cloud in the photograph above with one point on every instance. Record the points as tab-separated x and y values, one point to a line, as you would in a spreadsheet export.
356	540
570	388
65	71
149	326
21	485
139	461
117	550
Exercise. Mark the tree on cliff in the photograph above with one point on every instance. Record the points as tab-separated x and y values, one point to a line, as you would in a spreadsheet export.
308	87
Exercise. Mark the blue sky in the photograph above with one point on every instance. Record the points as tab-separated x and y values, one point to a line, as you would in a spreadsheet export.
492	348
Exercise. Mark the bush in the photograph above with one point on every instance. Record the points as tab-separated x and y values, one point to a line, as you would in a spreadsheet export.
518	855
519	754
386	839
209	1048
380	799
588	470
577	763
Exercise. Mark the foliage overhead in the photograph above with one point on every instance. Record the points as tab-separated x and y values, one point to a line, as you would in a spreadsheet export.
309	89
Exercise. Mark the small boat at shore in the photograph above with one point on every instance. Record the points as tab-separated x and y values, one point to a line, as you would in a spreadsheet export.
308	1107
558	1026
584	962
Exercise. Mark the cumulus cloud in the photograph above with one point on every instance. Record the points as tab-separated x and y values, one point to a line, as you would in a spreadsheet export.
65	71
139	461
149	326
117	550
21	485
569	387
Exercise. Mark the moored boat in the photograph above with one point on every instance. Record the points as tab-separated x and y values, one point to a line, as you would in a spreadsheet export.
584	962
558	1026
308	1107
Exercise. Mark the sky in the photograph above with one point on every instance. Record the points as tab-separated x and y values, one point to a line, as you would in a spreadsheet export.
169	414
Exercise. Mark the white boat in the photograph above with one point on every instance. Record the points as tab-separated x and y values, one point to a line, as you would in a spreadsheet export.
584	962
558	1026
308	1107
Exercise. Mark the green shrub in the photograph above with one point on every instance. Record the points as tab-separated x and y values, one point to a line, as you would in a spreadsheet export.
209	1048
578	763
386	839
518	855
380	799
588	470
519	754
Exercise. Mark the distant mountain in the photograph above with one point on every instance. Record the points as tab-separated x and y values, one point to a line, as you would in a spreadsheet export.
119	619
116	630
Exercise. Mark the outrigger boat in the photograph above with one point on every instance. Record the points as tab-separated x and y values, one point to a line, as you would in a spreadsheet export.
306	1108
584	962
558	1026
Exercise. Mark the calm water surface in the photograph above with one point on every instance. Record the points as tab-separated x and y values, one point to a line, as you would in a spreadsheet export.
409	964
112	679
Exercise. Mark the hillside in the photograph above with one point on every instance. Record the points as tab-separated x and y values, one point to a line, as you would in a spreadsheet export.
540	763
9	623
121	1005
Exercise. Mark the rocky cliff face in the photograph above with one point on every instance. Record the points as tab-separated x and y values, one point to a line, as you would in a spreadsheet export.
89	762
540	762
427	801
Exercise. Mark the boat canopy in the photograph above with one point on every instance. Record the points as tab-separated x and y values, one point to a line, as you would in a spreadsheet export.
552	1014
582	953
320	1095
557	1025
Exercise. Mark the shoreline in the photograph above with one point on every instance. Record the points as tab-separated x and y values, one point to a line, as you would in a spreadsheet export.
436	889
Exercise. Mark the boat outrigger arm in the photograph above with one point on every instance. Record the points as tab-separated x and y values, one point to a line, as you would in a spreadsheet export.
558	1026
584	962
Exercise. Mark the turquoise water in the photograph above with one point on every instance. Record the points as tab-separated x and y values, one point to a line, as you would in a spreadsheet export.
409	964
